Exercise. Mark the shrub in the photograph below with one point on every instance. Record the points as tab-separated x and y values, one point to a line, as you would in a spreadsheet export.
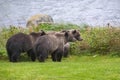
100	40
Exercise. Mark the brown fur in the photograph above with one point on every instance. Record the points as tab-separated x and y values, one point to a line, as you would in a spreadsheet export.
53	44
20	43
76	34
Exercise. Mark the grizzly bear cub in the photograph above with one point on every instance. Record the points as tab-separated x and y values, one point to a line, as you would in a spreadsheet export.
21	42
77	35
53	44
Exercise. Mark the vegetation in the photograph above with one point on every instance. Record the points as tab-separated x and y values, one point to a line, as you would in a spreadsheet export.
97	40
92	65
72	68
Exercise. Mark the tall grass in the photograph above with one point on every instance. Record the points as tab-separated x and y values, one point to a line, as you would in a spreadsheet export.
100	40
97	40
5	34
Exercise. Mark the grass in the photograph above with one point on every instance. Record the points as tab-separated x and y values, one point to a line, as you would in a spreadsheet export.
96	40
84	65
72	68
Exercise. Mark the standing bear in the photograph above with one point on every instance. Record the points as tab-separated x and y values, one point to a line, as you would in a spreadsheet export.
76	34
53	44
21	42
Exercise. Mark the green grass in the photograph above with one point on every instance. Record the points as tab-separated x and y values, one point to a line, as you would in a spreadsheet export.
72	68
83	66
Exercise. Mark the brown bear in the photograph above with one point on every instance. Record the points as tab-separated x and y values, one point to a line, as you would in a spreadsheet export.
21	42
52	44
76	34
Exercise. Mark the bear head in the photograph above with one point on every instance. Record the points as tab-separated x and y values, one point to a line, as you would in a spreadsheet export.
69	37
75	33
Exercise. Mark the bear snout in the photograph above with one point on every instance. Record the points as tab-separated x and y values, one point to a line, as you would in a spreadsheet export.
74	39
80	39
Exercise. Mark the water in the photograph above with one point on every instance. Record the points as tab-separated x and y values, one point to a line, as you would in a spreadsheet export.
92	12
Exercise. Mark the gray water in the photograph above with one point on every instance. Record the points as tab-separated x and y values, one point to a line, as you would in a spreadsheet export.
91	12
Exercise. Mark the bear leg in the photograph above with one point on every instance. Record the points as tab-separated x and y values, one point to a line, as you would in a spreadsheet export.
65	53
31	54
15	57
53	56
42	55
57	55
33	57
9	56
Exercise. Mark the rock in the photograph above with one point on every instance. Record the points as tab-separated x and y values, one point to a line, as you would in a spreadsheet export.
37	19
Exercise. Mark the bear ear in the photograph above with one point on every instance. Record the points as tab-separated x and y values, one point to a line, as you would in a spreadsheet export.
78	30
74	31
63	31
66	33
43	32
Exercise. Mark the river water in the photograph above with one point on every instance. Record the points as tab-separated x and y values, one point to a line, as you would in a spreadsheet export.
91	12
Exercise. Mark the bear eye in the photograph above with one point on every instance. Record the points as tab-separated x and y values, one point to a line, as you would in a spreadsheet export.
78	35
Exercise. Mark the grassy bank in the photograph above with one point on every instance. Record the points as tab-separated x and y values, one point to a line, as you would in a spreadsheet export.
89	58
72	68
97	40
